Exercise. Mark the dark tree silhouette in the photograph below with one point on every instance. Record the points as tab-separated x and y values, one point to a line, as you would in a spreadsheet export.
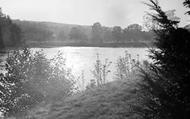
167	83
10	33
187	4
1	35
1	40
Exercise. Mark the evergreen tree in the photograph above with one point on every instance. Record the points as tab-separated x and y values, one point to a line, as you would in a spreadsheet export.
1	40
187	4
166	84
10	33
1	37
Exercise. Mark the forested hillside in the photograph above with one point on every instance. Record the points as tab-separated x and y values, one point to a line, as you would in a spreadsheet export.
10	33
48	34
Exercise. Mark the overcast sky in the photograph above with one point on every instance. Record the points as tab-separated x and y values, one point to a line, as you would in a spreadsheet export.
86	12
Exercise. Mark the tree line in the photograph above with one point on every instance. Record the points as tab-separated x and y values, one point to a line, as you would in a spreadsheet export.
163	92
40	32
10	33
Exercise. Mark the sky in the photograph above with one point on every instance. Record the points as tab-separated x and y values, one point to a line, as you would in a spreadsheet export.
86	12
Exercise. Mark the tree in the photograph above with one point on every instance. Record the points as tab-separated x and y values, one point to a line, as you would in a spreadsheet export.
77	34
10	33
14	83
187	4
107	35
31	79
61	36
2	46
135	27
35	32
133	33
167	83
117	34
1	35
16	38
97	33
126	67
61	82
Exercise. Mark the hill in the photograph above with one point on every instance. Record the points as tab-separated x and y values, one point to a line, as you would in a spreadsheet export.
49	34
111	101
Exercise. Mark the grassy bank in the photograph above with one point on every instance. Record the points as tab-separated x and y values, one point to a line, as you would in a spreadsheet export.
111	101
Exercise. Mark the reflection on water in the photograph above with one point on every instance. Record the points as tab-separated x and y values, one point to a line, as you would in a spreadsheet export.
82	59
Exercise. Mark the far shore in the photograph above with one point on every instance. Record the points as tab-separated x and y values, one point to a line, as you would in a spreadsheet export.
102	45
106	45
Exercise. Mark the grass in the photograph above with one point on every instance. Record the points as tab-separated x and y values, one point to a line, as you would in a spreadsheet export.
111	101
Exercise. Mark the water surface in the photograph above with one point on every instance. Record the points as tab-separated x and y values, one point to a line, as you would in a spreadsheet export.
82	59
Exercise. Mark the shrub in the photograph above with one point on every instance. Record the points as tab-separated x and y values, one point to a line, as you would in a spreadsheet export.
31	79
101	71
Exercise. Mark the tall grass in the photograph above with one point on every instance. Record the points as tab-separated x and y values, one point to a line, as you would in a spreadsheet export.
100	71
126	67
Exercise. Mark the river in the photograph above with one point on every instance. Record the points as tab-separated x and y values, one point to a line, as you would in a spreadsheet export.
82	59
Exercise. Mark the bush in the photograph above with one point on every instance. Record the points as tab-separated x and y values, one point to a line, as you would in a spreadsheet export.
31	79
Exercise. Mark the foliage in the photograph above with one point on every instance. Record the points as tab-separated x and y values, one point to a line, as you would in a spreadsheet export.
15	82
52	33
77	34
61	83
134	33
187	4
2	46
126	66
123	66
136	27
117	34
31	79
101	71
32	31
10	33
97	33
157	95
167	82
